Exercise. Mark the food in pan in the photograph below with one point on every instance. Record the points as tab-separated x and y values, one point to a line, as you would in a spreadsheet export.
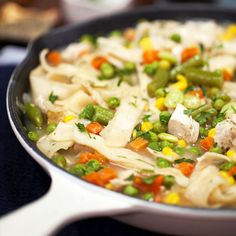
148	111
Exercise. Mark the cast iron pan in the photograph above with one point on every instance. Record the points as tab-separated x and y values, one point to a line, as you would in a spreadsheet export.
79	199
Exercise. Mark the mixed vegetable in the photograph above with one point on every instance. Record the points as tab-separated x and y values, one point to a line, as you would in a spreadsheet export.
149	111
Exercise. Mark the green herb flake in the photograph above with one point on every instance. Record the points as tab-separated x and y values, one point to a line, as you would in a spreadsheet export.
52	97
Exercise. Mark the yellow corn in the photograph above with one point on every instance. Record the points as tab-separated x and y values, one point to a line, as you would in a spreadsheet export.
230	32
227	177
68	118
146	126
182	143
160	104
146	44
172	198
212	133
182	83
108	186
169	152
230	153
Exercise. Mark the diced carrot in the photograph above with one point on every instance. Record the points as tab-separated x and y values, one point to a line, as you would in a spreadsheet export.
158	181
197	92
227	75
188	53
102	177
186	168
88	156
94	128
207	143
129	34
138	144
94	178
98	61
54	58
107	174
232	171
157	198
150	56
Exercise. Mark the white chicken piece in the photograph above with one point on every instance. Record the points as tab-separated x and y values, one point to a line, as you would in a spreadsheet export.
222	61
225	135
183	126
229	88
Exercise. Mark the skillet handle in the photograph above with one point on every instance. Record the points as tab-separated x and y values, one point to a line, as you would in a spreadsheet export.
65	201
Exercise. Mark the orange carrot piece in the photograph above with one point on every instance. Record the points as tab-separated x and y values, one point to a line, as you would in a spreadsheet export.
54	58
138	144
94	128
188	53
186	168
232	171
150	56
107	174
197	92
207	143
227	75
88	156
94	178
157	198
98	61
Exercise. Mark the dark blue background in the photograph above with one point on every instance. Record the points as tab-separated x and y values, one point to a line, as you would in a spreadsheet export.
22	180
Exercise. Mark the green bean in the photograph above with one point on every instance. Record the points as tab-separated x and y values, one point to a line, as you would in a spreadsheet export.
102	115
130	190
168	57
34	114
161	80
195	62
199	110
207	78
168	137
151	69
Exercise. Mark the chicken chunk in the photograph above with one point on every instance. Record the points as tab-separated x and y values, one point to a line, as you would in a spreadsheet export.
230	88
183	126
225	135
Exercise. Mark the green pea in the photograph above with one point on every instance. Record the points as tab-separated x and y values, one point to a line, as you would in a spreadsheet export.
227	166
173	98
153	136
115	33
151	68
59	160
50	128
148	196
130	190
113	102
158	127
169	181
149	179
130	67
191	101
166	143
180	150
107	70
34	114
155	146
160	93
195	151
164	117
78	169
92	165
218	104
212	92
163	163
33	136
216	150
176	38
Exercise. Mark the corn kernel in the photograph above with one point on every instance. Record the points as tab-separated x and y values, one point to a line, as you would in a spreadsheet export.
160	104
146	126
212	133
227	177
108	186
68	118
182	83
182	143
230	153
172	198
169	152
146	43
229	33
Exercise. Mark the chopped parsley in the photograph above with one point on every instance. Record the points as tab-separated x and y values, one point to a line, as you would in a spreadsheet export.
52	97
81	127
